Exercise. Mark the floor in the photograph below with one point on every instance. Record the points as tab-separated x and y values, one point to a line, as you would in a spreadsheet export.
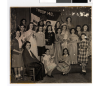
73	77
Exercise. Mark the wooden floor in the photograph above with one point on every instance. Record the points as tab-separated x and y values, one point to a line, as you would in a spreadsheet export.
73	77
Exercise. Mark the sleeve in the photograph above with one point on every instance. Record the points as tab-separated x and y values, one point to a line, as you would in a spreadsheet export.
12	45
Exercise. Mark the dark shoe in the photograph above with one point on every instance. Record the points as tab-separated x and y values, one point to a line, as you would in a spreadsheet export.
50	76
32	79
84	73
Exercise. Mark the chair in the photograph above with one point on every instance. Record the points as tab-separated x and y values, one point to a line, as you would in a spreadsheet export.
33	73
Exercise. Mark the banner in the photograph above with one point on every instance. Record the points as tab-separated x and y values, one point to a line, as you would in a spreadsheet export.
47	14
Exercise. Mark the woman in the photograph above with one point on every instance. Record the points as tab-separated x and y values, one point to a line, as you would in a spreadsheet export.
69	23
65	34
64	63
58	48
78	31
72	46
30	36
17	61
50	38
85	29
57	25
83	52
22	22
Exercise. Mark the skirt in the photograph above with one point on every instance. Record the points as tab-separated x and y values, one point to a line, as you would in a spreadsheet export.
83	56
17	60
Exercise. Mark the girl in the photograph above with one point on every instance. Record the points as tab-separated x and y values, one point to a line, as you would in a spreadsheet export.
65	34
72	46
57	25
58	49
50	38
17	61
23	22
64	63
78	31
48	63
69	23
30	36
83	52
40	38
85	29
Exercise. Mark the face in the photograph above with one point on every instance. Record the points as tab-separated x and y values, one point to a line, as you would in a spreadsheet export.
58	24
40	29
22	28
17	34
28	46
85	28
31	26
83	36
49	28
59	30
78	29
69	19
48	52
64	27
72	31
48	23
65	52
24	22
41	22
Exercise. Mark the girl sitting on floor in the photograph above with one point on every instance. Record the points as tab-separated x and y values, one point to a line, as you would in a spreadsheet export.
64	63
49	64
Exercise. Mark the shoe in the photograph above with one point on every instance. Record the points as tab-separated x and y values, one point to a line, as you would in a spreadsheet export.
50	76
63	74
84	73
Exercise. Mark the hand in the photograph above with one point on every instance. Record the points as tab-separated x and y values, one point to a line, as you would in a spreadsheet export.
46	40
20	52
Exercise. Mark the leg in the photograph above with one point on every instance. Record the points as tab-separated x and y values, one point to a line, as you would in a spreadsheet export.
15	70
19	72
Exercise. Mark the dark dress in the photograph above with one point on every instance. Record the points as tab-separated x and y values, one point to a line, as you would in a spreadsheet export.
33	62
17	60
50	36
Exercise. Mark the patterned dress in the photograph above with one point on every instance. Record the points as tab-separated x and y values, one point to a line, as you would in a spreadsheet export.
88	37
64	66
83	52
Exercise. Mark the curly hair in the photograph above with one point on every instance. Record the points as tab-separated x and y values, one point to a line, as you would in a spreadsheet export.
67	51
83	27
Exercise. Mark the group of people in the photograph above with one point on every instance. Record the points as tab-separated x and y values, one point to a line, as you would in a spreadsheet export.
45	48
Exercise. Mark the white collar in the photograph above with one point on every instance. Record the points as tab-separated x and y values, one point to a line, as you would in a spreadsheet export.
40	32
66	55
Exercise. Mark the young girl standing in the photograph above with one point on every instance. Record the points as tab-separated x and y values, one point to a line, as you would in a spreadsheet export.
85	29
49	64
50	38
78	31
58	48
83	52
40	38
65	34
72	46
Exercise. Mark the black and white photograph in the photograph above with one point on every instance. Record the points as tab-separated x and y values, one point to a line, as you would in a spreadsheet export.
51	44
